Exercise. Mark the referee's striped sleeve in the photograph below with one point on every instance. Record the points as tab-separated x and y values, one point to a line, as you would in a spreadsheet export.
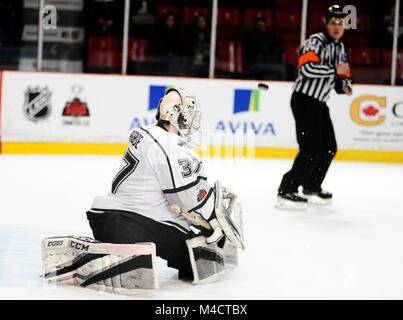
310	61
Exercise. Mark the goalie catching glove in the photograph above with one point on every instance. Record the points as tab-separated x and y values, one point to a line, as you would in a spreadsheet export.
228	215
226	218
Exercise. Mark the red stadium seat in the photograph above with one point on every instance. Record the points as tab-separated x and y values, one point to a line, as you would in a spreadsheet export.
387	61
162	9
138	49
189	13
103	43
291	53
288	19
108	59
288	25
316	21
289	4
228	17
289	36
318	5
228	24
368	75
228	33
251	14
354	38
363	22
229	56
103	52
387	57
364	56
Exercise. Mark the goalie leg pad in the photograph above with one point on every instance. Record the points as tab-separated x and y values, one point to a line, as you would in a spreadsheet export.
211	261
115	268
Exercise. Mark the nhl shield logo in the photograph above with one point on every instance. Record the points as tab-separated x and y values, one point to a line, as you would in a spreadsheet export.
37	103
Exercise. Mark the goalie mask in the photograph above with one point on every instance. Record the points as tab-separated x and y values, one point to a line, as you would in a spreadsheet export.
181	110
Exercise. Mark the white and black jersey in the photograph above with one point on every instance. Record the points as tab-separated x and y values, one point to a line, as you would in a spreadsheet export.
159	169
317	67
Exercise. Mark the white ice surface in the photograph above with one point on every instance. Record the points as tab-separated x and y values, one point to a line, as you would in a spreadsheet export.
352	249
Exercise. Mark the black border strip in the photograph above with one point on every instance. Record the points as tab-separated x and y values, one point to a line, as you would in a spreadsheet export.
185	187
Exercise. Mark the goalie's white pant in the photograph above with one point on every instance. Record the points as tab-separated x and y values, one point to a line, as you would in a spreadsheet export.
118	268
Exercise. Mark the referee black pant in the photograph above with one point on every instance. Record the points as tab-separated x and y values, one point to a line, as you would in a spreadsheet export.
317	144
128	227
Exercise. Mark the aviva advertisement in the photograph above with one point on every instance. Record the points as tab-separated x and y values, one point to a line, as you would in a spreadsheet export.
246	118
237	112
82	113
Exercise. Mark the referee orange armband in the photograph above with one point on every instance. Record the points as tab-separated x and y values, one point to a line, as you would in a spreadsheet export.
309	56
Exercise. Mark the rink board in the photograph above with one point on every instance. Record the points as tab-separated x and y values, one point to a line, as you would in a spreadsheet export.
94	114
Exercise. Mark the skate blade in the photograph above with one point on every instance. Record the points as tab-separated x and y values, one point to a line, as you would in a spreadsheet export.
313	199
285	204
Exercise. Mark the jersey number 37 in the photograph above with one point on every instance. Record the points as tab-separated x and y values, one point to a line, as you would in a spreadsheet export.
131	163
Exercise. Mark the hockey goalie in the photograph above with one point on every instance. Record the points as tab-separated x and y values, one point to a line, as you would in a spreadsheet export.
160	204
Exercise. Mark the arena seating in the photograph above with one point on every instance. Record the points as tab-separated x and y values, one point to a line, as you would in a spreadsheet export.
229	57
103	55
283	20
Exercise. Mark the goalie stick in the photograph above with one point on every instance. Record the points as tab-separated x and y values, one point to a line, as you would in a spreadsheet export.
191	217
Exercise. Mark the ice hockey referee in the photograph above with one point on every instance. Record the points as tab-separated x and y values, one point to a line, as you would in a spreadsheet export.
323	66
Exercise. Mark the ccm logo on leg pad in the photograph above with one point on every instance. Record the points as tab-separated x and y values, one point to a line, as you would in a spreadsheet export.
79	246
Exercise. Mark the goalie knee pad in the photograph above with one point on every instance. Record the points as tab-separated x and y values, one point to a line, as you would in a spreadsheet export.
116	268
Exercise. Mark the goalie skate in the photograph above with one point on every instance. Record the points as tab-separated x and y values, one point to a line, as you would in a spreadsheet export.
115	268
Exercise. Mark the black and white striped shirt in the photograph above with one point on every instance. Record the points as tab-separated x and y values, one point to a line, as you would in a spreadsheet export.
317	66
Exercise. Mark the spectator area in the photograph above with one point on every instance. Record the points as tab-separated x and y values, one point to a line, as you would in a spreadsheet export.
368	59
